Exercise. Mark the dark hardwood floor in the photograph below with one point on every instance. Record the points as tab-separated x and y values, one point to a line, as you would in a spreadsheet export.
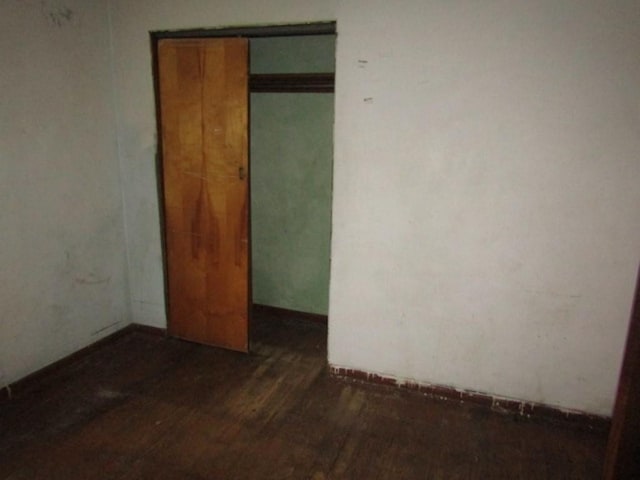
148	407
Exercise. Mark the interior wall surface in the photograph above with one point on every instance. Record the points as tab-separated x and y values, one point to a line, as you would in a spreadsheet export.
62	262
291	161
484	224
485	221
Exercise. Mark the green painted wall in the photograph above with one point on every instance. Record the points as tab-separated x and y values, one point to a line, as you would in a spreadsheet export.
309	54
291	172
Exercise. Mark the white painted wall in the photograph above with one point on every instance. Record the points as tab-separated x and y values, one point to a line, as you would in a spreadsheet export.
485	216
486	228
62	262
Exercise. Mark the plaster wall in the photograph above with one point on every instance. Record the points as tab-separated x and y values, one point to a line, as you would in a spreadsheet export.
291	162
485	230
62	262
292	150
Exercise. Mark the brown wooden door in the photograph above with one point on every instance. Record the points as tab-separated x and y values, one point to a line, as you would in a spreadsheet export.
203	93
622	461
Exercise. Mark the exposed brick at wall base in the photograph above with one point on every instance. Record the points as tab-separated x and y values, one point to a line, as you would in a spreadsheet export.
497	404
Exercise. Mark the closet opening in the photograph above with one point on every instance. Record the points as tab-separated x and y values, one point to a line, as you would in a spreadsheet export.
260	252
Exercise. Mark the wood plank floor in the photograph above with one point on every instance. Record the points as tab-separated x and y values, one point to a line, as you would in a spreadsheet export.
148	407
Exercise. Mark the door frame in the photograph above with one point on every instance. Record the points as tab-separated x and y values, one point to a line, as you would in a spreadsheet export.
279	30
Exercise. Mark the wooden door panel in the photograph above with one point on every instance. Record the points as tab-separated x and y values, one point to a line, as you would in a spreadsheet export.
622	460
203	90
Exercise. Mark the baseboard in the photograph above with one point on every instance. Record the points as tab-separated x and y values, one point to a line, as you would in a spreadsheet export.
286	313
502	405
137	327
20	386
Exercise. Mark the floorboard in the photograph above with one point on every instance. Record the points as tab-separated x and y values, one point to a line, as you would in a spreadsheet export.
150	407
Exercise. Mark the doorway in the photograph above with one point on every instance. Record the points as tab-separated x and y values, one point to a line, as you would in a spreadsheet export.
288	194
291	132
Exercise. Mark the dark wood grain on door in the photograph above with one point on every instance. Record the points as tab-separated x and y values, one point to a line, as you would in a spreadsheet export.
203	93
